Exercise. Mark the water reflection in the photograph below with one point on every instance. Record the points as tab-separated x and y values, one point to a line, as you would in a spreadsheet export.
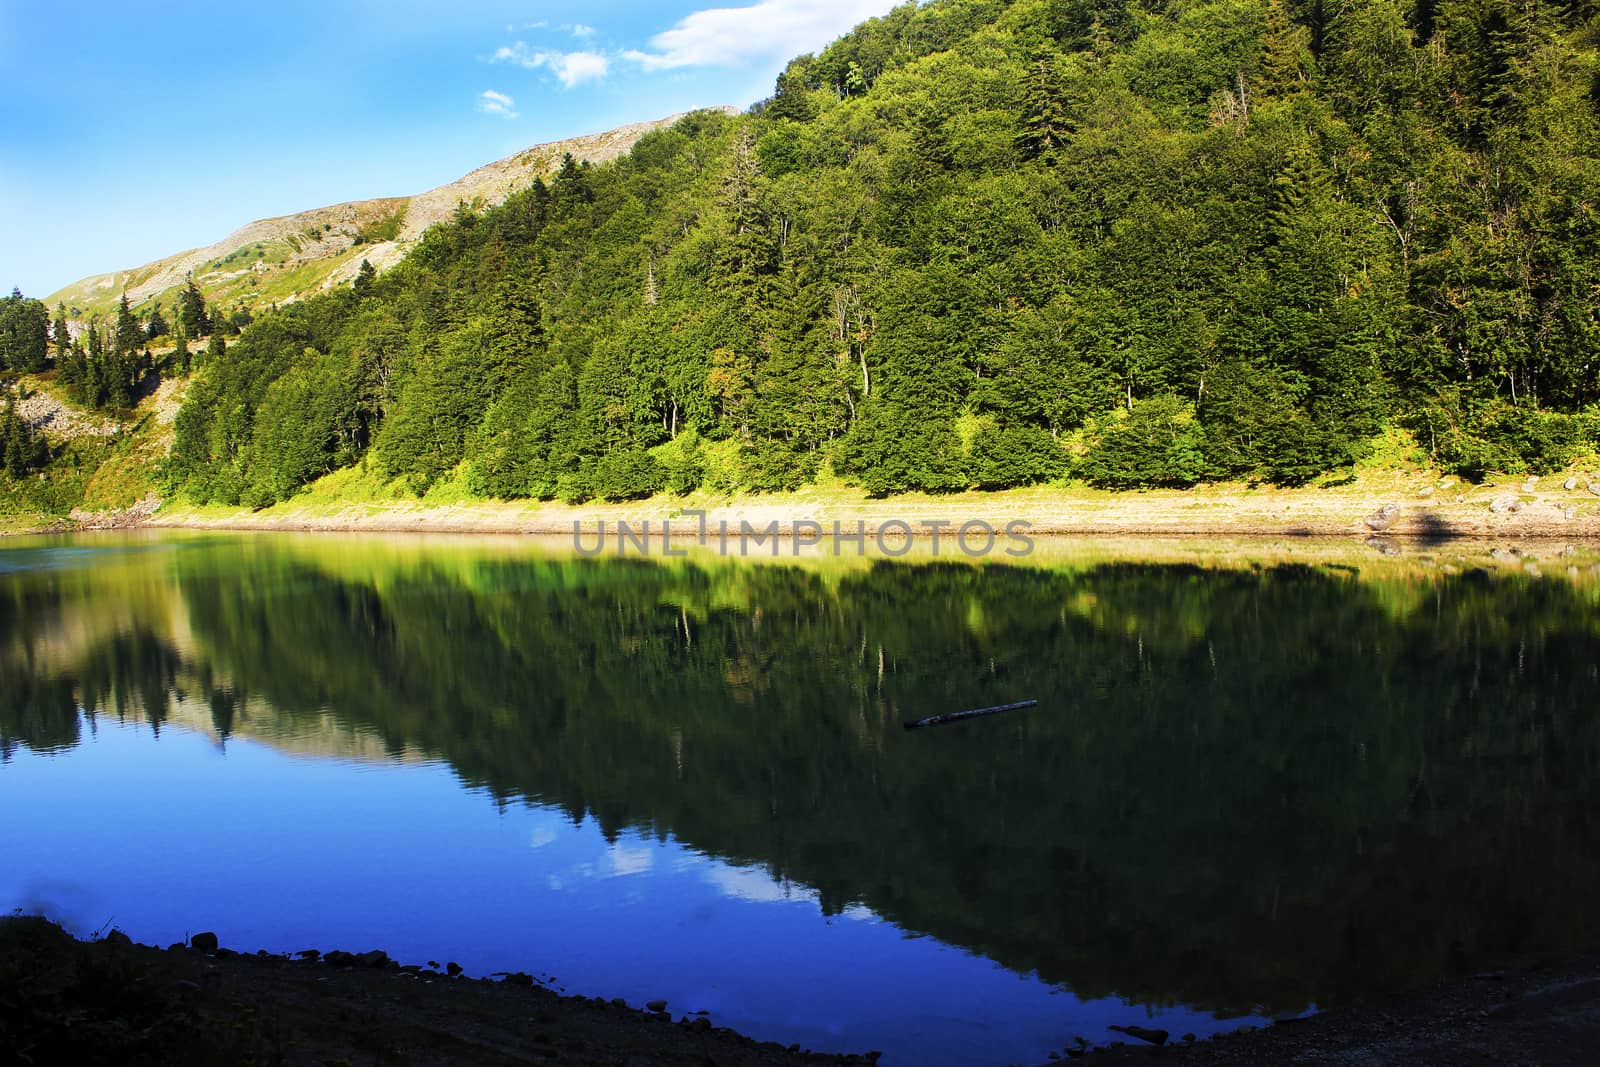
1246	788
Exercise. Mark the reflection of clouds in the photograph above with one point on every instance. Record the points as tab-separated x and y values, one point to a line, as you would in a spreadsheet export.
755	885
543	835
629	859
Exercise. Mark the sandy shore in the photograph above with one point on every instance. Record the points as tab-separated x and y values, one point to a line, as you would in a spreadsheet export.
1397	504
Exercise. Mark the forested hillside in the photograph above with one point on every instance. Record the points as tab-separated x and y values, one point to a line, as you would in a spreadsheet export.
981	243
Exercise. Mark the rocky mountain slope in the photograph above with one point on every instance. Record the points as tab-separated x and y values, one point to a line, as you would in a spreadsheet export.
282	259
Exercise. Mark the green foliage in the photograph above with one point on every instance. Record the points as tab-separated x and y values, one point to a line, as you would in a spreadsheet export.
24	333
384	229
1516	440
22	449
1003	458
1158	443
1055	216
192	317
683	463
631	474
156	325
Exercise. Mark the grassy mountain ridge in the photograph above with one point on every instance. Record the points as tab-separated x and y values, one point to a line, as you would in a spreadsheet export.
288	257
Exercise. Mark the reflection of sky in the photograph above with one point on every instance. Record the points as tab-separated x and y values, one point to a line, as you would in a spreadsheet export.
167	838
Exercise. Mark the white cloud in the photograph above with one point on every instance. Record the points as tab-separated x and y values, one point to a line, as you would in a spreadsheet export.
493	103
572	68
763	32
580	30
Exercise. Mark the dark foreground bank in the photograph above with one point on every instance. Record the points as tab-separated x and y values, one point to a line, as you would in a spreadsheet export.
114	1002
1537	1012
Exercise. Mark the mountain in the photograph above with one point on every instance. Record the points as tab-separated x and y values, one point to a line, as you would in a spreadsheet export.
972	244
283	259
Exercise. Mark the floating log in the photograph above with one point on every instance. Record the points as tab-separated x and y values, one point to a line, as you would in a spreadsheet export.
957	716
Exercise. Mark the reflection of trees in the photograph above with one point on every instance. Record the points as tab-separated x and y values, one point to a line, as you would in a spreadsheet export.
1242	786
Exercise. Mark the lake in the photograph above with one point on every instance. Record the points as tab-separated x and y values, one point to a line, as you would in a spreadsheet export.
1261	778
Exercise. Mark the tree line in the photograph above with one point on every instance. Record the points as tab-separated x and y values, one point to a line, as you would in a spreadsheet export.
978	243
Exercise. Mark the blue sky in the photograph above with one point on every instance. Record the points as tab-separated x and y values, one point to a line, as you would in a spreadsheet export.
135	130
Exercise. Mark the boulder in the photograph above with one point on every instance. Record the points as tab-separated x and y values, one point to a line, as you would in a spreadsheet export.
206	942
1531	485
117	937
1505	504
1383	518
1570	484
656	1005
452	968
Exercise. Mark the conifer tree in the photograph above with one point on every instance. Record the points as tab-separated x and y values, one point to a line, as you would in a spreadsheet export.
1046	122
157	325
365	276
192	309
127	335
61	335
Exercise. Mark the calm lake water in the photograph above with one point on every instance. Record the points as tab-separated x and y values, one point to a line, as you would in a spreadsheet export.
1260	779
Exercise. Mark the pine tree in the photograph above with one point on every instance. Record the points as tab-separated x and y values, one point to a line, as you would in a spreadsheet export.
180	354
128	335
1285	50
791	101
62	335
365	276
192	309
157	326
24	333
1046	121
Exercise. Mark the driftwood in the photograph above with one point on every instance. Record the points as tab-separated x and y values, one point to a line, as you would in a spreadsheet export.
957	716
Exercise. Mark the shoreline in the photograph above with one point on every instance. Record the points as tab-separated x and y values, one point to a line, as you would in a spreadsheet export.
111	1000
1400	504
200	1002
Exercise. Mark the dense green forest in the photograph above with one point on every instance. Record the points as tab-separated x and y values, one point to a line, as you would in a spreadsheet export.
1242	788
988	243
